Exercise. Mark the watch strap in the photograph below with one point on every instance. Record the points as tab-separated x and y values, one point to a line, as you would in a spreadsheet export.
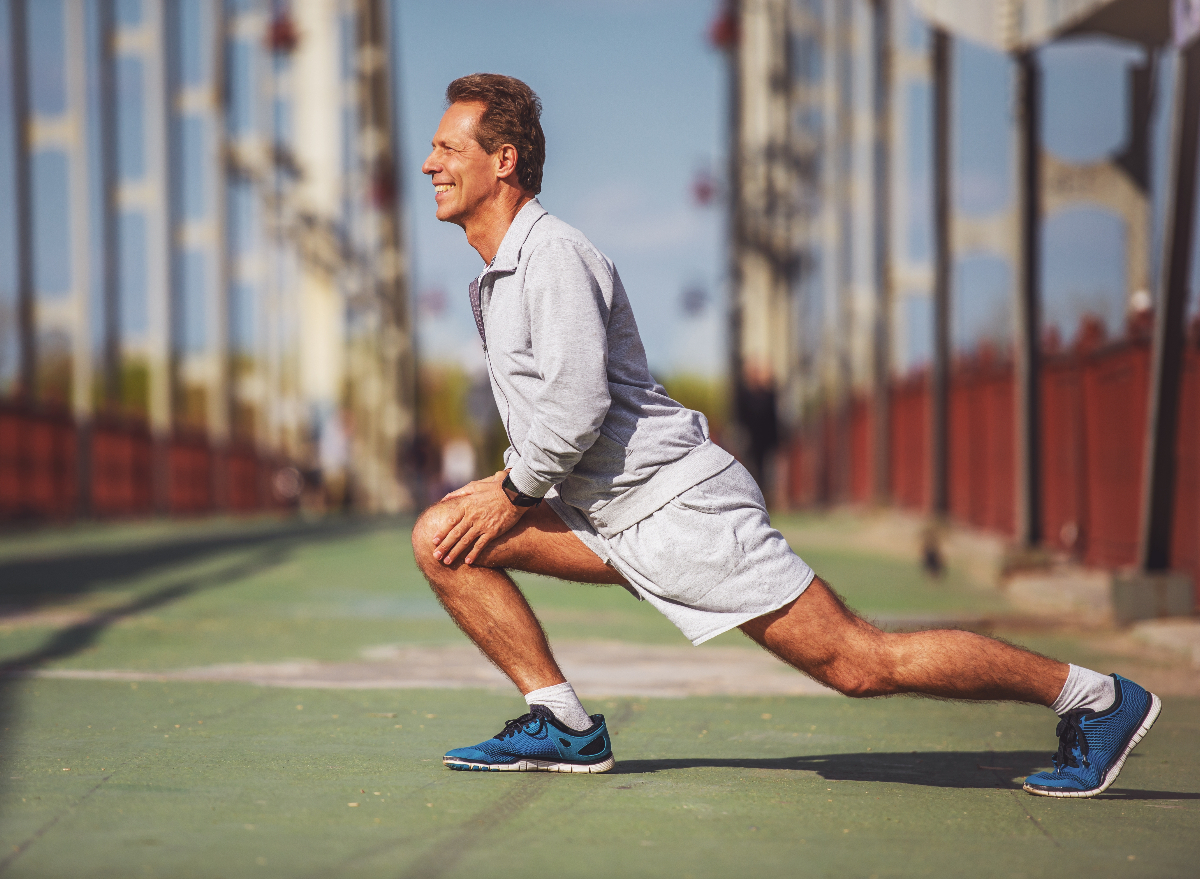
518	498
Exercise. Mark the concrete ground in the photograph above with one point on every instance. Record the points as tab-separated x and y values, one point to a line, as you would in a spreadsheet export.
271	698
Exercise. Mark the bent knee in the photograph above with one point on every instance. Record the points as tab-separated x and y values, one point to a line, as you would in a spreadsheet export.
860	675
430	525
859	685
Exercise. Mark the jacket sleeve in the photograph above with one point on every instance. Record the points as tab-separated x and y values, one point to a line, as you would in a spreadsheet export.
568	293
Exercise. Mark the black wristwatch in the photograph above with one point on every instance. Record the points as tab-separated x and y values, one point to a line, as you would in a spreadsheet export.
515	495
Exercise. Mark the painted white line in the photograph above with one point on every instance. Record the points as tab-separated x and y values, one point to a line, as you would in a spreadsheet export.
596	668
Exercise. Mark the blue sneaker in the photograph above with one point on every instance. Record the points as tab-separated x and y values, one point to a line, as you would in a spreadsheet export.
537	742
1092	746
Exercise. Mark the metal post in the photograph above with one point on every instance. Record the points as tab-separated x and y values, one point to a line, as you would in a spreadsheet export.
832	244
159	245
841	70
109	226
394	429
735	232
79	250
1166	377
219	415
881	399
1028	304
939	384
26	296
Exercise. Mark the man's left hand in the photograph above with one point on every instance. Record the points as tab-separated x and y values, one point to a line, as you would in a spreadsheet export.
481	513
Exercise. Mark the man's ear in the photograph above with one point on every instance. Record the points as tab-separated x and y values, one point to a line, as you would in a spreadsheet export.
506	161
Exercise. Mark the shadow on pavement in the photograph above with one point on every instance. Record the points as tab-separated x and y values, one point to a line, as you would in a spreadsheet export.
951	769
29	583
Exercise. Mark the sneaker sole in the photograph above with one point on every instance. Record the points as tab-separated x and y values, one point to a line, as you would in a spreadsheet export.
529	766
1115	769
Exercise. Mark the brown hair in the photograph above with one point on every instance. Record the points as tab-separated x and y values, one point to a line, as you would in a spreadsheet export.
512	114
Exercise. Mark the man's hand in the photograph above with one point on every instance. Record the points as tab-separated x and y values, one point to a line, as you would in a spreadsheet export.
483	512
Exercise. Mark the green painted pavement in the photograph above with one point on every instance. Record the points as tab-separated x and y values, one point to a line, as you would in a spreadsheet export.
230	780
98	780
266	591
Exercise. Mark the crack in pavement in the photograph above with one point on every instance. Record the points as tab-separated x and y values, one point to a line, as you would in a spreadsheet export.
1003	783
29	841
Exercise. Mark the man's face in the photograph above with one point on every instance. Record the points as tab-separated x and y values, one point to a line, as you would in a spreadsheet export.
463	175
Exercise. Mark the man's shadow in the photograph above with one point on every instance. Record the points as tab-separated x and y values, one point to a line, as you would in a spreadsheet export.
984	770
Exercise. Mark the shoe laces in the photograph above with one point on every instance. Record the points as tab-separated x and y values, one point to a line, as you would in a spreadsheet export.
1071	739
518	724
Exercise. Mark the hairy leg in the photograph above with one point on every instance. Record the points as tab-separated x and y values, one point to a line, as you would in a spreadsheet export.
821	637
485	602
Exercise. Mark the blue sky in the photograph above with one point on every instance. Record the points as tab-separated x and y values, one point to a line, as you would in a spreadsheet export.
635	106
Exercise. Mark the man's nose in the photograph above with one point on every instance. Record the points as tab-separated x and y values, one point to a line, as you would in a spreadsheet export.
428	167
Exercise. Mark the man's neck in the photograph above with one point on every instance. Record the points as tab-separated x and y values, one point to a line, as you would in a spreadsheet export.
487	228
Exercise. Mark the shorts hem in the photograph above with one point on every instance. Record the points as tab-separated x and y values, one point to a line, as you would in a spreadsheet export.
733	620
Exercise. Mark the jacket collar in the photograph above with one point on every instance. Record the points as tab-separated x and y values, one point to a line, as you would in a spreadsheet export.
509	252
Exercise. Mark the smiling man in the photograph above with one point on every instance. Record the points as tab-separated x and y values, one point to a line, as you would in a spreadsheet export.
609	480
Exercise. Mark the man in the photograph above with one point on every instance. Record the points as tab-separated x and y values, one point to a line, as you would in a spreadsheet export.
609	480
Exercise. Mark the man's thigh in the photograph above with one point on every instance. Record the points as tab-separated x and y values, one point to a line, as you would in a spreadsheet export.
814	630
541	544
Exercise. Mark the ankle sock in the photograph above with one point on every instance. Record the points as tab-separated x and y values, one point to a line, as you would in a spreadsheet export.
1085	689
563	702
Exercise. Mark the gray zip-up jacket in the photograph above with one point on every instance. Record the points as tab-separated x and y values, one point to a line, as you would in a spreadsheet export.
571	381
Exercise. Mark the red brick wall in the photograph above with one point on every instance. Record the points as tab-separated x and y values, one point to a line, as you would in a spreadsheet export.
38	464
1115	384
909	431
1185	540
190	469
121	469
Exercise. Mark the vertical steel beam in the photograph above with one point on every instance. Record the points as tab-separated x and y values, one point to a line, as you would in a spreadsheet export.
939	384
106	126
734	232
881	26
842	73
377	126
23	197
159	243
828	460
80	246
1027	400
219	415
1166	376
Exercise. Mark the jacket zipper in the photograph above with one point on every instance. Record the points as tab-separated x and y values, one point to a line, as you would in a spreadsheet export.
487	358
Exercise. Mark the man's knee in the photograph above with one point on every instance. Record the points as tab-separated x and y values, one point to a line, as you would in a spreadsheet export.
857	683
861	669
431	524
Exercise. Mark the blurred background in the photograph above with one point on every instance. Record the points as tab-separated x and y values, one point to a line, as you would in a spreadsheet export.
929	254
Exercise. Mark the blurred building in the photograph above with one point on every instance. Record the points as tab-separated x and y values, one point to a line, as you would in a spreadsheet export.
202	261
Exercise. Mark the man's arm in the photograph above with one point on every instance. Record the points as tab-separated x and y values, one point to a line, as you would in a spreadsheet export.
568	293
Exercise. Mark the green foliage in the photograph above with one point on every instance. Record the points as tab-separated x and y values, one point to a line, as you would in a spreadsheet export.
443	415
442	395
704	394
135	386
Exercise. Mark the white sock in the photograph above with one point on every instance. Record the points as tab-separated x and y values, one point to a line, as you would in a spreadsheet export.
1085	689
563	702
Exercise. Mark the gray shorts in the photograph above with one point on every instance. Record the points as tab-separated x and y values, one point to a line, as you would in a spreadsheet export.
709	559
